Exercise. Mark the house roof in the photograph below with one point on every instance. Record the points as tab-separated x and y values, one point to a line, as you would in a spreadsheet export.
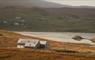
27	41
32	44
43	42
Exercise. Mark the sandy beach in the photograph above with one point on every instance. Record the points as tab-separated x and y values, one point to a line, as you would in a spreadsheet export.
59	36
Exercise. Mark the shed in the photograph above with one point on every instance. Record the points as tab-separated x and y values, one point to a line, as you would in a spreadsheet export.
43	44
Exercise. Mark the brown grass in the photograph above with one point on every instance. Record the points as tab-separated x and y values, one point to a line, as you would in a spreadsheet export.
8	50
29	54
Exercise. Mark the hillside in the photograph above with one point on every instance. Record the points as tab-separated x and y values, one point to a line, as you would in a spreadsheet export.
26	54
30	3
8	50
48	19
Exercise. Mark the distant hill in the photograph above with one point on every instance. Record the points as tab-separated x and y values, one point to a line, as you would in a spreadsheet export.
48	19
30	3
40	15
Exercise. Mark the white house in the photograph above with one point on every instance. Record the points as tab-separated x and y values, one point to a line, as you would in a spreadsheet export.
31	43
22	43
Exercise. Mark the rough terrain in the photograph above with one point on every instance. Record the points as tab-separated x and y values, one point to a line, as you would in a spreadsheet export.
57	50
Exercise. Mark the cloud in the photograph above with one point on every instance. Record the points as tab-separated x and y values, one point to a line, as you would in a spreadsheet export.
75	2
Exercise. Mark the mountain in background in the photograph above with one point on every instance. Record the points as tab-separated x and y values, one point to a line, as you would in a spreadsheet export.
39	15
48	19
36	3
30	3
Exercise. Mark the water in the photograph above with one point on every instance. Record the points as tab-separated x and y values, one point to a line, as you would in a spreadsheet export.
60	36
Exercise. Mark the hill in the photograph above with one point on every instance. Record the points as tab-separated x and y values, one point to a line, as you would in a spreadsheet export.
8	50
48	19
30	3
26	54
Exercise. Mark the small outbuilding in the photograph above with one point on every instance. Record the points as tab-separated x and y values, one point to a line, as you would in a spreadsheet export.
43	44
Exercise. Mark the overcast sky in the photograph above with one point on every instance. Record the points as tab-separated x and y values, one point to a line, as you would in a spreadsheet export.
75	2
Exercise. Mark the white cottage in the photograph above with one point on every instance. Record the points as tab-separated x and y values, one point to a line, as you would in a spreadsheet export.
31	43
23	43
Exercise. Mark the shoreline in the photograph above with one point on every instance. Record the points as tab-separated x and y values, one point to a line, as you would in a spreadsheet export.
55	36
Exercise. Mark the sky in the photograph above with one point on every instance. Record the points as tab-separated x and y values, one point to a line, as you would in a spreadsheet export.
75	2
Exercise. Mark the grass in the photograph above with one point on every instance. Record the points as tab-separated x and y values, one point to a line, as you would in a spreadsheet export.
8	50
56	20
27	54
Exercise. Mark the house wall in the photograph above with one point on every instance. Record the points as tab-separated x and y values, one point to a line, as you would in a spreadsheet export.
39	44
43	46
20	46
